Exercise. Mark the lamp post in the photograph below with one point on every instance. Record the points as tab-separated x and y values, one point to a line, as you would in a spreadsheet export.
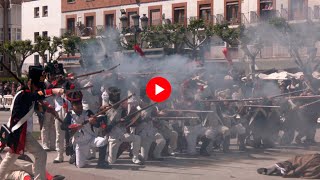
136	24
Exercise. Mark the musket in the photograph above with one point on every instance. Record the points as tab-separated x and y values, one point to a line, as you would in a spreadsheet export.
309	104
289	93
96	72
128	117
78	126
79	89
254	99
185	110
304	97
261	106
176	118
143	73
232	100
88	74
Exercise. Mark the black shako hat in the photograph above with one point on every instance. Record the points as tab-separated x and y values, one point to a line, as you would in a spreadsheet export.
36	74
114	94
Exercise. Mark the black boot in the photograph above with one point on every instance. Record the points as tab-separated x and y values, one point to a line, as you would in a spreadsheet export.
241	139
226	144
102	163
204	145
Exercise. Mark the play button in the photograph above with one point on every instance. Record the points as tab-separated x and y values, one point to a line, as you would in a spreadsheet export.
158	89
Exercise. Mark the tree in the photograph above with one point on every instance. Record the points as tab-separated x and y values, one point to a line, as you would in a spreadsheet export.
245	37
18	52
41	46
197	33
71	44
296	37
47	48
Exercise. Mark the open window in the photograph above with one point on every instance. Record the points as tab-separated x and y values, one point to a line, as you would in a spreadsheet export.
233	11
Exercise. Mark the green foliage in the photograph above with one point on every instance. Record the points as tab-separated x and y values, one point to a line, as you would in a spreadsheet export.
228	35
44	45
18	51
71	44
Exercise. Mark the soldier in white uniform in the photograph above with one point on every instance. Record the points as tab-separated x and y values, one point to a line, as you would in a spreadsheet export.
193	129
117	131
147	131
84	137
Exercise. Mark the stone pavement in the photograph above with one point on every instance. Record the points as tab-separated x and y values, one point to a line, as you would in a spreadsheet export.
233	165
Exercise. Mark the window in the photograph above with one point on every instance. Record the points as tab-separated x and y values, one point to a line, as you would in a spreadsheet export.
109	18
89	26
232	13
130	14
36	35
45	33
90	21
1	34
36	60
44	11
155	17
179	15
45	58
13	34
9	35
36	12
298	10
266	9
205	12
1	59
71	25
71	1
316	12
18	34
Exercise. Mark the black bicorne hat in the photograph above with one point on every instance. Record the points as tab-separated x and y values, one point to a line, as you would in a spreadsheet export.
114	94
36	74
54	68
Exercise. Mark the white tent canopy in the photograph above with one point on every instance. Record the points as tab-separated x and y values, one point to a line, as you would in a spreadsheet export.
285	75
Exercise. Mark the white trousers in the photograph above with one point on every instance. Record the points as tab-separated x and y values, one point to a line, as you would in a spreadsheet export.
33	147
48	132
146	144
115	142
82	149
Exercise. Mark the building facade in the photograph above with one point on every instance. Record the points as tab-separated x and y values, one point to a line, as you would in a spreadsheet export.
10	28
97	14
40	18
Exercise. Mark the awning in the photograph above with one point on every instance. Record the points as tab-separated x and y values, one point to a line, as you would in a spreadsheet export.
262	65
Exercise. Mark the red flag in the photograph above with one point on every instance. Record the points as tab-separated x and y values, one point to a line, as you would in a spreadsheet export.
138	49
227	56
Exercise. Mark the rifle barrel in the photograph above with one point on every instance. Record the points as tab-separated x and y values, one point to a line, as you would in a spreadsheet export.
88	74
176	118
261	106
185	110
79	89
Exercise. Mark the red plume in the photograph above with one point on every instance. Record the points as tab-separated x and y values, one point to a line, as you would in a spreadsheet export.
227	56
138	49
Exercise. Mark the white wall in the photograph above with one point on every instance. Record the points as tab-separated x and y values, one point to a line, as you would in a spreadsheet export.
30	24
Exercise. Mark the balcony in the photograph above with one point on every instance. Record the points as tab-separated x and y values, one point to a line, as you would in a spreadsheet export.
266	14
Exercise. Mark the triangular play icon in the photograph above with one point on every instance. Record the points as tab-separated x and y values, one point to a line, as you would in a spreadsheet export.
159	89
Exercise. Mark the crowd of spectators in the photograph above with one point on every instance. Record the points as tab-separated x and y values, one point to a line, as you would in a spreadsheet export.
8	88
